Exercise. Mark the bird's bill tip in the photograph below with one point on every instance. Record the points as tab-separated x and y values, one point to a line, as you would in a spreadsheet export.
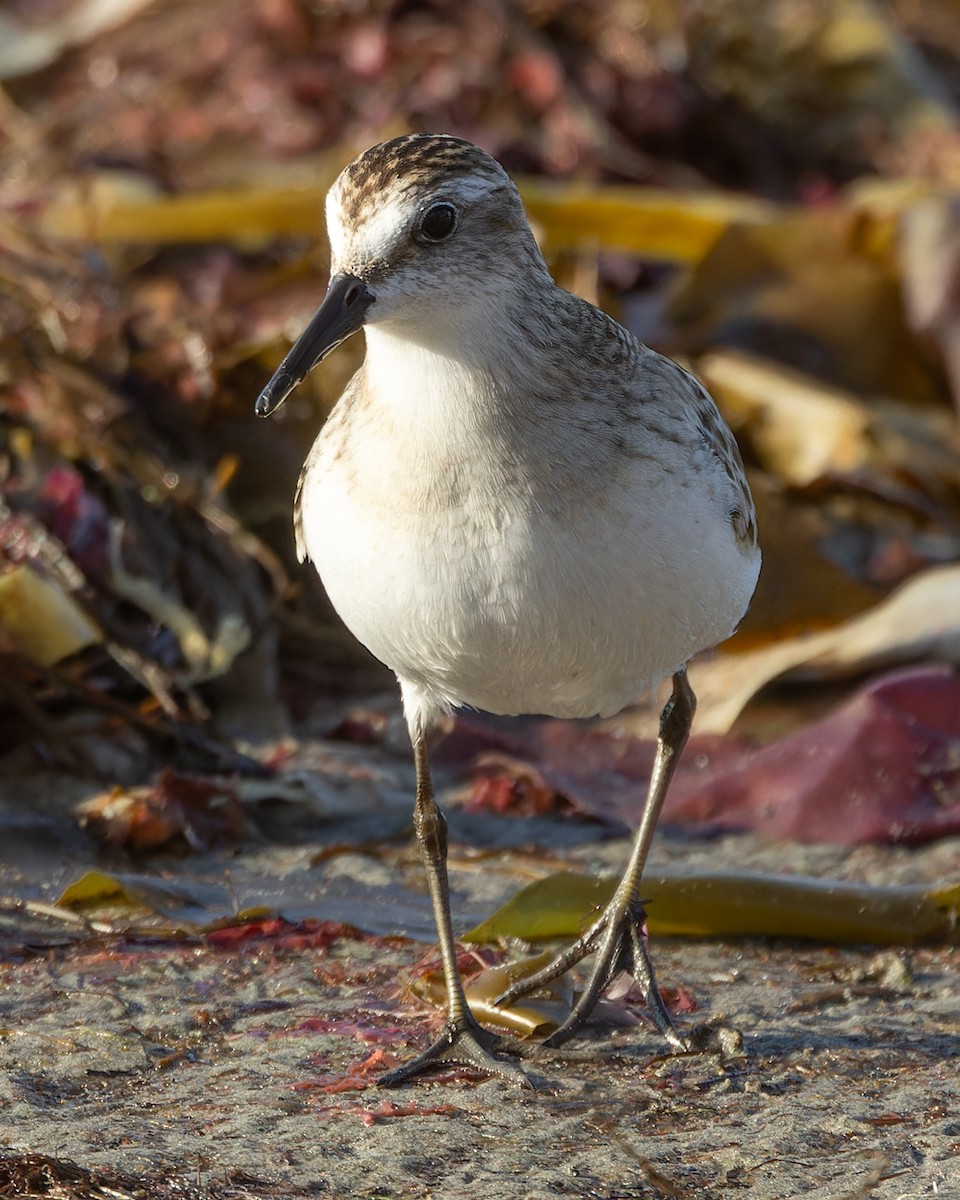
341	314
274	394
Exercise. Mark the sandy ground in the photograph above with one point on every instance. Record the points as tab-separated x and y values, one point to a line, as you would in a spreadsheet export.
177	1066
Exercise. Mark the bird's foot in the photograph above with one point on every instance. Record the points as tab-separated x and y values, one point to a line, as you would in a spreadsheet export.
462	1042
619	941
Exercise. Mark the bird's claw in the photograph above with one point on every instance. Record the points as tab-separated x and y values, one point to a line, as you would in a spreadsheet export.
619	939
462	1042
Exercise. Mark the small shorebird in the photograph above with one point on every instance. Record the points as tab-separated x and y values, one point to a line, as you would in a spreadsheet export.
515	505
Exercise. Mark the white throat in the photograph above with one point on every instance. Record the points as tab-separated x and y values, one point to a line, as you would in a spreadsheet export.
429	383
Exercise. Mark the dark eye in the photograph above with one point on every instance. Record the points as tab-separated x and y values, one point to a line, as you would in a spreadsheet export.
438	222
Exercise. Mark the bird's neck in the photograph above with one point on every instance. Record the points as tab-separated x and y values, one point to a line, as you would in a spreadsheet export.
424	380
493	346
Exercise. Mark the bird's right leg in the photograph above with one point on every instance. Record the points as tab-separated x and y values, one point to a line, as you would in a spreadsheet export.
462	1041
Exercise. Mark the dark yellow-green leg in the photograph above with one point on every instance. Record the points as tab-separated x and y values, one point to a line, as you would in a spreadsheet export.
617	936
462	1040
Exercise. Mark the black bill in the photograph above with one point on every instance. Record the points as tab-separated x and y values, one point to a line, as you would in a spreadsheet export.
342	312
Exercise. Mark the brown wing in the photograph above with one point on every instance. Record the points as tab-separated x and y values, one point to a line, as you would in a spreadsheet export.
302	555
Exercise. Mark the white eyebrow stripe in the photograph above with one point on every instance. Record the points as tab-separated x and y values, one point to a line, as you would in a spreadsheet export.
384	226
386	221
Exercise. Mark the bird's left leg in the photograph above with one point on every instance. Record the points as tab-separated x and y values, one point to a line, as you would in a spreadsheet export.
617	936
462	1039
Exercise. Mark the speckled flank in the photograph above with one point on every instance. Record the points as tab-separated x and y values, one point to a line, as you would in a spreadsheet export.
716	434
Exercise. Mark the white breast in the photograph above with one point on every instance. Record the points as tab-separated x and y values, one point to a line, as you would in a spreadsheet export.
514	561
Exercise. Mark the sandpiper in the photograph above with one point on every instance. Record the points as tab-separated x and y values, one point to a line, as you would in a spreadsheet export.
515	505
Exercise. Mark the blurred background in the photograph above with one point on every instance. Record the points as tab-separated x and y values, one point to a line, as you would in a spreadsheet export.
767	192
